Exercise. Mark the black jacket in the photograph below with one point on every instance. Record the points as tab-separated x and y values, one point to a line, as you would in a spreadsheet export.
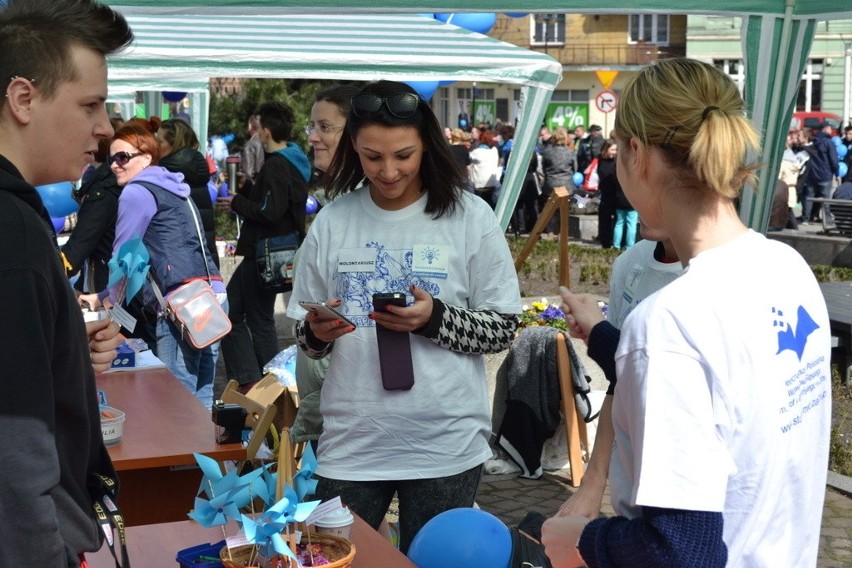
90	244
196	174
48	404
273	205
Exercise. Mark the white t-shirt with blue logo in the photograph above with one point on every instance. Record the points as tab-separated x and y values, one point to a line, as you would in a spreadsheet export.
723	400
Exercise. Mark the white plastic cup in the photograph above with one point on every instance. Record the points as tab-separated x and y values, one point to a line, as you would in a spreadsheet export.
337	523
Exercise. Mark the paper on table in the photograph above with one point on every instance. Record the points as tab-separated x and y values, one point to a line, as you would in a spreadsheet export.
144	360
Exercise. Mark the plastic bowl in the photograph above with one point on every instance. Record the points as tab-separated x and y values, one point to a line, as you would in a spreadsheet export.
112	425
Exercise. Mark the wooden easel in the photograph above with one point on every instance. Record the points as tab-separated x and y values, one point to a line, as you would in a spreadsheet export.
559	199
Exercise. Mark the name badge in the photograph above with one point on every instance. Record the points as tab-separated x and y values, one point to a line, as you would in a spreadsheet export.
357	260
431	261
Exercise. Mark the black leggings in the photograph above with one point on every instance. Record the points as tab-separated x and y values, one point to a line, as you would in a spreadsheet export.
419	499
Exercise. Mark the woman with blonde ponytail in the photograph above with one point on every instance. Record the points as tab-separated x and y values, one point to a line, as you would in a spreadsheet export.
722	408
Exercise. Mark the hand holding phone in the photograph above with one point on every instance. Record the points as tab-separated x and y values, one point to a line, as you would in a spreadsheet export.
394	347
325	313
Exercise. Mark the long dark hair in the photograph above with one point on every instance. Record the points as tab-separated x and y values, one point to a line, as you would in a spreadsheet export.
440	172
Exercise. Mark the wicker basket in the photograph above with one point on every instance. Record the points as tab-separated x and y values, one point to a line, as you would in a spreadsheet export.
339	549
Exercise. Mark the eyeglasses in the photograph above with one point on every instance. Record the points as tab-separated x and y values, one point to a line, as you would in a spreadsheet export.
121	158
402	105
322	128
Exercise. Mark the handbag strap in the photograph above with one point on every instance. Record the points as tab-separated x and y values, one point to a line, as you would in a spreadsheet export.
148	186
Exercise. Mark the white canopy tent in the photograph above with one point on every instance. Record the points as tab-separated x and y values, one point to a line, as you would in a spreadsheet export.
777	36
181	52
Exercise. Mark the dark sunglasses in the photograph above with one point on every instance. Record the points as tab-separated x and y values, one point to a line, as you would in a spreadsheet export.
402	105
121	158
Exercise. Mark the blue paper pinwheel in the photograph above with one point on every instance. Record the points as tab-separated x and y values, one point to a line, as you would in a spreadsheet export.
132	262
213	484
265	531
303	481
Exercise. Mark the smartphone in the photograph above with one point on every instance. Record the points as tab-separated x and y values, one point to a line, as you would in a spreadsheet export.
325	310
382	301
394	347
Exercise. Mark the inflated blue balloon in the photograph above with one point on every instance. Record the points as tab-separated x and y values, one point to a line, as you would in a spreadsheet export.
837	140
842	169
842	151
480	23
423	88
57	198
577	179
173	96
213	190
462	538
311	205
58	224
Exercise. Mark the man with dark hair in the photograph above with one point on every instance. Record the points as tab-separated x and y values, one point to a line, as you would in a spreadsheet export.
822	169
54	80
252	156
590	147
272	205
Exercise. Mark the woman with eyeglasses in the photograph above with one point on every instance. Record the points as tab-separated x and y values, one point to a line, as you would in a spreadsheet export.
155	206
328	119
401	222
179	153
722	407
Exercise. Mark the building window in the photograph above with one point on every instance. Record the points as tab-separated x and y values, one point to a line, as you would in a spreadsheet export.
548	29
810	88
570	95
734	69
649	28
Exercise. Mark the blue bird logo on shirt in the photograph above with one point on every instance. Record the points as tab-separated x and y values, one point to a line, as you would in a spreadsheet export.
794	340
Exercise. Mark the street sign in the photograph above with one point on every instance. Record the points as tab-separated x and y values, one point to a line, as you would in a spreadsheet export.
606	101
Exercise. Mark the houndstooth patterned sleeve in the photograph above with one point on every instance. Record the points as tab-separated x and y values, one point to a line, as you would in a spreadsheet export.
313	347
469	331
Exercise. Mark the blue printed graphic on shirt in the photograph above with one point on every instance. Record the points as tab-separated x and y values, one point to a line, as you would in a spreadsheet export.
794	340
392	274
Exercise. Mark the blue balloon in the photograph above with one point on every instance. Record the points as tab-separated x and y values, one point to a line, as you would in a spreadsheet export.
423	88
842	151
57	198
58	224
311	205
516	14
213	190
578	179
462	538
480	23
173	96
842	169
837	140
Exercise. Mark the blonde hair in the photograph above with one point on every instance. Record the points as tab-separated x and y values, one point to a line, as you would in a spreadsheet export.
695	114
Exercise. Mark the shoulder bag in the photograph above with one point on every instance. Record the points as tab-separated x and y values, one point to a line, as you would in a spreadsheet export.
193	307
275	261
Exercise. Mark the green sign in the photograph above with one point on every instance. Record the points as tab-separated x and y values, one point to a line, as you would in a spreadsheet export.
569	115
484	111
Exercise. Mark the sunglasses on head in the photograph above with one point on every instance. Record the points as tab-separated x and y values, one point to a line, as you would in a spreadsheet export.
121	158
402	105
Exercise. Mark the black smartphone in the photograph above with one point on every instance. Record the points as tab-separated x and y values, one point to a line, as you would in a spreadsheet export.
394	347
382	301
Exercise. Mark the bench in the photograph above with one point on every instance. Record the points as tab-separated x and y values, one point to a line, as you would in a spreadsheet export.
836	215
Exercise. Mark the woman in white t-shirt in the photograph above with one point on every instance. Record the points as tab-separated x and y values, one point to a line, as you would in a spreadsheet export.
410	229
722	409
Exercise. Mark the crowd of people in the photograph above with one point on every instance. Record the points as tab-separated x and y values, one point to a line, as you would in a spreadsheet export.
702	429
